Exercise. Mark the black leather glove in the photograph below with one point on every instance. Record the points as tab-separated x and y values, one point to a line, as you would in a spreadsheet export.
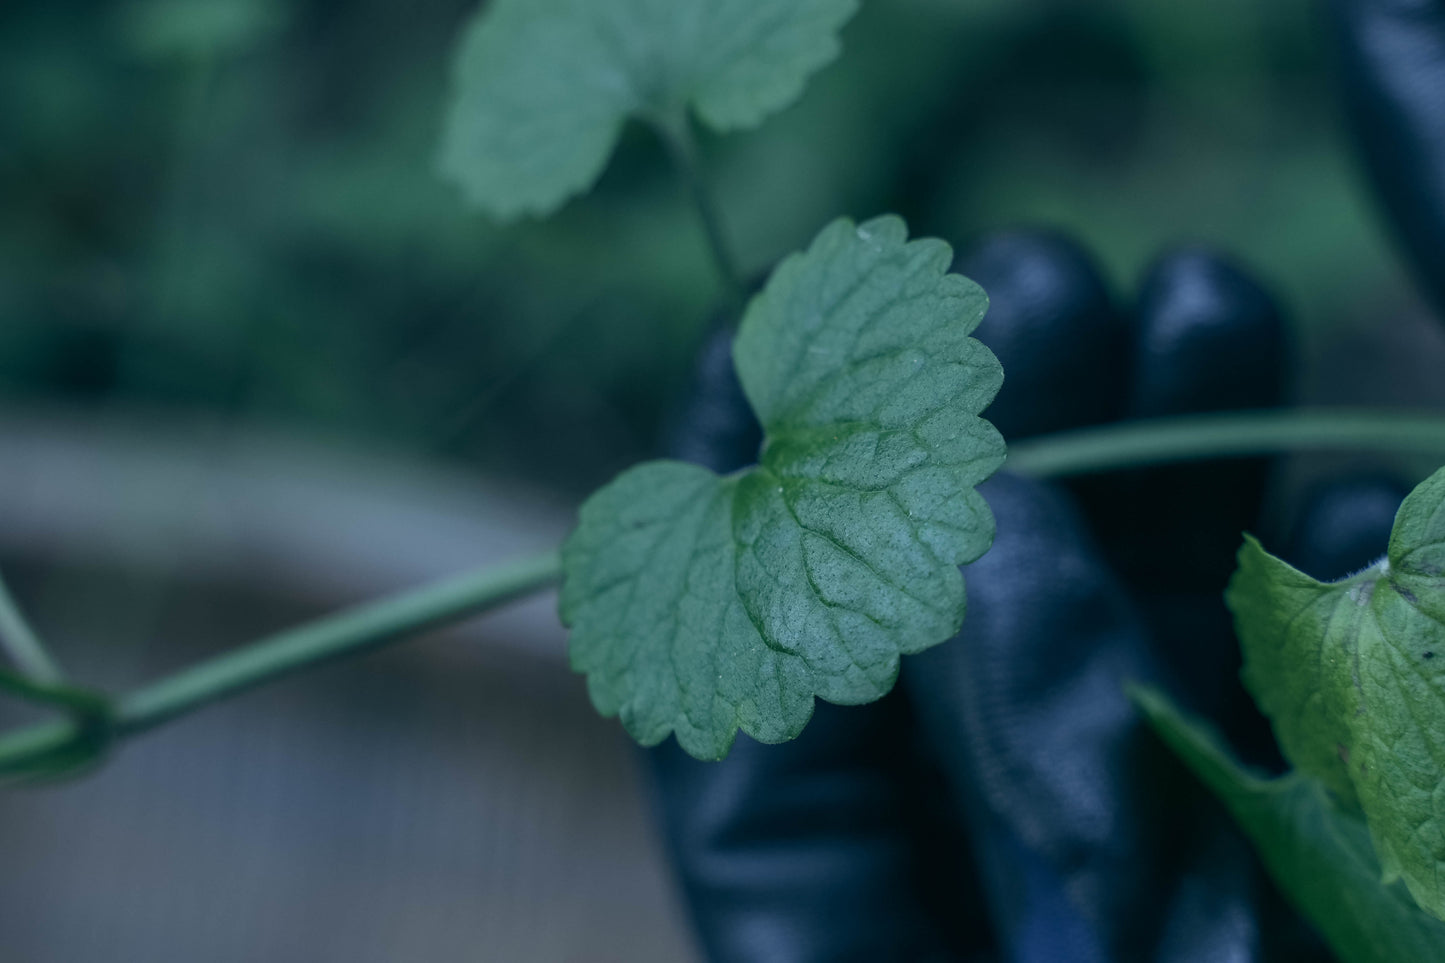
1005	803
1391	56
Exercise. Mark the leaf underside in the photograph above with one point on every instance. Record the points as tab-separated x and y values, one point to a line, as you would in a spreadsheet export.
701	604
1319	855
542	87
1352	676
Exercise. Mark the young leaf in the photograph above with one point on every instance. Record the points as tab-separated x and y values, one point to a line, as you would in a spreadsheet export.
1318	855
1352	674
542	87
701	604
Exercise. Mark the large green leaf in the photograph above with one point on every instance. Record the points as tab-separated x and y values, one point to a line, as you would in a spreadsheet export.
1352	674
1319	855
542	87
701	604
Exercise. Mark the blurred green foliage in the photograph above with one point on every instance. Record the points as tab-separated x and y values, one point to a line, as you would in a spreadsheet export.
230	206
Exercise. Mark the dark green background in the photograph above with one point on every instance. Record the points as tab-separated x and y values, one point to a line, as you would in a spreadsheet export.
230	207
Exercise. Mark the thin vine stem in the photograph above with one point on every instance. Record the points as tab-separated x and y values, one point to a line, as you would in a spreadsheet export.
346	633
1235	434
1090	450
675	129
21	644
82	702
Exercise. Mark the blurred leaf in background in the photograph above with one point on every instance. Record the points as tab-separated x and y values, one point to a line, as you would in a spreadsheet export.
229	208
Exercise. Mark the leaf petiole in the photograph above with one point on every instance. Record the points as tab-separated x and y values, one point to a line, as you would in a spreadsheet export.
21	643
675	130
82	702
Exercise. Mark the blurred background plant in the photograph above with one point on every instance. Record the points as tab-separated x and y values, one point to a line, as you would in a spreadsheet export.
256	359
228	206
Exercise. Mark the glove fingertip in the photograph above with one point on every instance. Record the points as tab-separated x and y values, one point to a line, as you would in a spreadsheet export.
1053	325
1209	337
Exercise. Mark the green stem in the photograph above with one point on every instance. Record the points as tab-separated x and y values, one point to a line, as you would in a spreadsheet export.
1196	437
21	643
345	633
675	129
28	749
332	637
1131	445
82	702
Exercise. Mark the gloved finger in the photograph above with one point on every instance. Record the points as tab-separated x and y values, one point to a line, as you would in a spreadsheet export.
1206	337
1051	322
1344	526
830	847
833	847
1066	795
1219	904
1391	56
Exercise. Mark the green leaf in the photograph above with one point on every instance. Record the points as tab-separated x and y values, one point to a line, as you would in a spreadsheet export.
1318	855
1352	675
701	604
543	87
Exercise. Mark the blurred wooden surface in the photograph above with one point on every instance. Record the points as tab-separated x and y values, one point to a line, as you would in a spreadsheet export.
453	799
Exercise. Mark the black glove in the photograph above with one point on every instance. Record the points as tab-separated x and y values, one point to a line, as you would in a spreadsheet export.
1006	802
1391	56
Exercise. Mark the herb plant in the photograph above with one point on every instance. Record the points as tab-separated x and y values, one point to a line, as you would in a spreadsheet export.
1347	673
701	605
